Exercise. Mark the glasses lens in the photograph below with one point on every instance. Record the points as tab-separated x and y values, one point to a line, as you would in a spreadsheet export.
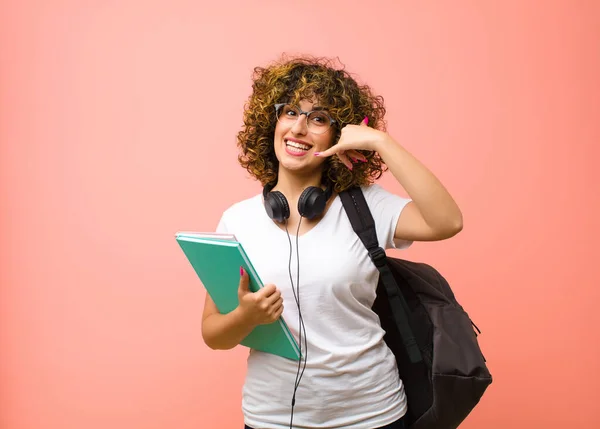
287	113
318	122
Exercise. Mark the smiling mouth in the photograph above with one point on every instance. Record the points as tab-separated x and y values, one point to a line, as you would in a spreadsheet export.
297	147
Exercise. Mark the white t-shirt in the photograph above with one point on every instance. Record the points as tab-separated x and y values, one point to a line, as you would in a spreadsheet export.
351	379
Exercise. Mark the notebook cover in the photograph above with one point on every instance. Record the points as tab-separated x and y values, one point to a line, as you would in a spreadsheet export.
217	263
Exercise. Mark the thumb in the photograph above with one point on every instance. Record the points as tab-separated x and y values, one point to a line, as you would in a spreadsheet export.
244	281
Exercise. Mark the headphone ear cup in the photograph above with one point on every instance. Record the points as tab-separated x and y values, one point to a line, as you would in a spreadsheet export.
312	202
277	206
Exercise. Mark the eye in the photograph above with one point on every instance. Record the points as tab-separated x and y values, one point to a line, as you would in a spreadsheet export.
319	118
290	111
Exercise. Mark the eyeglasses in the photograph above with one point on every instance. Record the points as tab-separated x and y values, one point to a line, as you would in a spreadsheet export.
317	121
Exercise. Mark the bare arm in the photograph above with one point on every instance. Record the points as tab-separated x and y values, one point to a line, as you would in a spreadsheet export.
223	331
433	214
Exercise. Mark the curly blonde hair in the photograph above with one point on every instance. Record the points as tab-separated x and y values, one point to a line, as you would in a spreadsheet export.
291	80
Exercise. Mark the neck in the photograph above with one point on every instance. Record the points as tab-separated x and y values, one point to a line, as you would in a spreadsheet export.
292	185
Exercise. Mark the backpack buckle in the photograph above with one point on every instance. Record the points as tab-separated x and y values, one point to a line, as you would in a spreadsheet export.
378	257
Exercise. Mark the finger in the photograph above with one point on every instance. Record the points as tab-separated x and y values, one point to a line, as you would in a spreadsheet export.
342	156
331	151
275	311
244	281
356	156
365	121
278	303
278	314
267	291
273	298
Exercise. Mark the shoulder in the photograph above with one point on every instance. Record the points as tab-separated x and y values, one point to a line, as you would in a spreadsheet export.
373	189
243	208
238	214
376	194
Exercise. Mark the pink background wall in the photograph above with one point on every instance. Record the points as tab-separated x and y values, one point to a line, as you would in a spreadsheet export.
117	128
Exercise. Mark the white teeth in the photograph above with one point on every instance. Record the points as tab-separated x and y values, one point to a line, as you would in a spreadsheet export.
297	145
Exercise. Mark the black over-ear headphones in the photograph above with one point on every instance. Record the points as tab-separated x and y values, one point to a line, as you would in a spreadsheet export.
311	203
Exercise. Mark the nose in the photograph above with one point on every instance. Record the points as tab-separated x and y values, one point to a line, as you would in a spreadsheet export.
300	127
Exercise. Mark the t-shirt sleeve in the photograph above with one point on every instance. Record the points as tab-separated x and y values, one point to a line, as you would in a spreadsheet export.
222	225
386	208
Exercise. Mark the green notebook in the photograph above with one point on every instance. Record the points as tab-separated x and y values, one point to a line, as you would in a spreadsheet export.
216	259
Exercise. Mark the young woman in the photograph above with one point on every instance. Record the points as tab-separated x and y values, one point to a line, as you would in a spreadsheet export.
310	132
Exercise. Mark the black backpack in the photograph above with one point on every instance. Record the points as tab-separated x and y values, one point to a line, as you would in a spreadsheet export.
439	360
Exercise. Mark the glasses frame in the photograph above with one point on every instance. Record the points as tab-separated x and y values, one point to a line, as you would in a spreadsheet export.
332	121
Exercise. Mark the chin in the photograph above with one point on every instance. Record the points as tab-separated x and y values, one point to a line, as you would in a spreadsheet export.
293	164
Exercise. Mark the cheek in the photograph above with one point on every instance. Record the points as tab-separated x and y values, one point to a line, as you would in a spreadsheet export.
278	135
326	141
280	130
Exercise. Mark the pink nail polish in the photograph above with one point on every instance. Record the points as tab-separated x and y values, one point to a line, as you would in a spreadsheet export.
317	153
366	120
241	271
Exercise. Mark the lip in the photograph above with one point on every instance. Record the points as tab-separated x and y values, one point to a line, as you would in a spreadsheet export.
296	141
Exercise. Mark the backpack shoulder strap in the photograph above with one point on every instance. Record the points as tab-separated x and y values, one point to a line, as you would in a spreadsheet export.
363	224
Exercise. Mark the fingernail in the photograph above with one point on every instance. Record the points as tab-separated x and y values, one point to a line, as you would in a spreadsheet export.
366	120
354	159
317	153
241	271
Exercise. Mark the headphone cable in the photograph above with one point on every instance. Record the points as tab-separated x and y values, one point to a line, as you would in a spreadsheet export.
302	327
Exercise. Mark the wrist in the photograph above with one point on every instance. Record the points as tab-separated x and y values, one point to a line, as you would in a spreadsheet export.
242	317
383	142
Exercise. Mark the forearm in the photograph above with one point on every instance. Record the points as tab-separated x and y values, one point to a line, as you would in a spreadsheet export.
436	205
225	331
